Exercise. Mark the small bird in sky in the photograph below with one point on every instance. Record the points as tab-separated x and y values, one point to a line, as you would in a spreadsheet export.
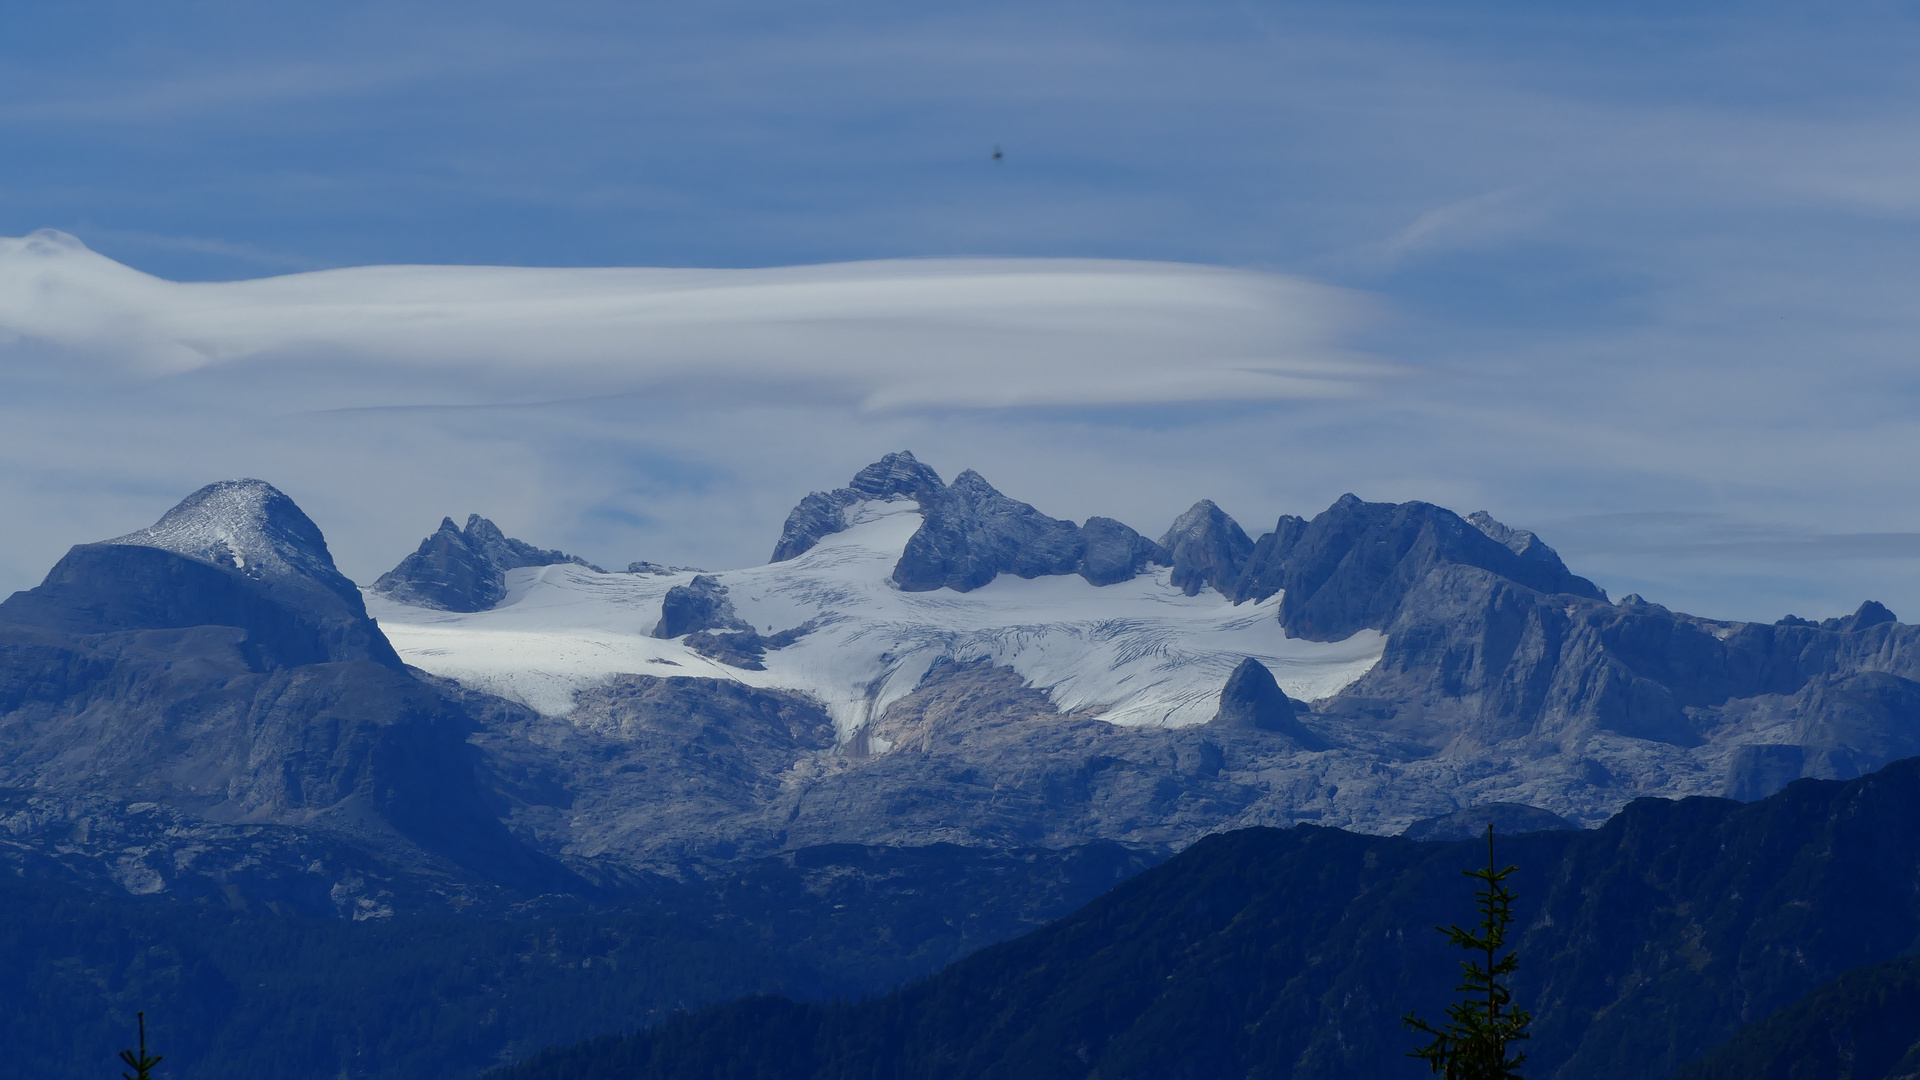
996	154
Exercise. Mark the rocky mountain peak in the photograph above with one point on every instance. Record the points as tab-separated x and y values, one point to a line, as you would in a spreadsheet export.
1353	564
1207	548
898	475
244	525
1519	541
465	569
236	555
1252	699
1871	613
823	513
972	533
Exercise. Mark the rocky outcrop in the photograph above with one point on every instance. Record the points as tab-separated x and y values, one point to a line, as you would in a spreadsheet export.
653	772
1519	541
1253	701
823	513
972	534
1207	548
1113	552
1353	565
459	569
700	604
1261	576
1475	661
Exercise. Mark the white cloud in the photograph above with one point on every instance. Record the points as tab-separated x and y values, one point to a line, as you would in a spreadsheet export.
903	333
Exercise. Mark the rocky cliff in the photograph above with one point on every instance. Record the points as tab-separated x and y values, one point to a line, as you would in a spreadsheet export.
459	569
218	667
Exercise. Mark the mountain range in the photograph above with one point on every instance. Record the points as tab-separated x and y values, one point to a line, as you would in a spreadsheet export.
930	688
951	664
922	662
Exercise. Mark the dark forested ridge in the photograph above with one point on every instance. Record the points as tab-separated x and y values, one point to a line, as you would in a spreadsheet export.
1293	953
1865	1025
232	994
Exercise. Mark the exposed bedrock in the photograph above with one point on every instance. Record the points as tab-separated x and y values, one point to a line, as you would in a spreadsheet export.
662	773
822	513
972	533
1473	660
1354	564
1115	553
1260	577
1206	547
459	569
700	604
1252	699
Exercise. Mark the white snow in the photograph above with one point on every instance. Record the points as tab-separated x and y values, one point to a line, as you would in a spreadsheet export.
230	522
1136	653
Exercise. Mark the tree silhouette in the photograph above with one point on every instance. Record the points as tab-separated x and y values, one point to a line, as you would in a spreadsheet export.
140	1063
1480	1026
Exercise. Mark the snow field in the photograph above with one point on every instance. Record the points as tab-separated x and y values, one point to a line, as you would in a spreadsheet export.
1138	653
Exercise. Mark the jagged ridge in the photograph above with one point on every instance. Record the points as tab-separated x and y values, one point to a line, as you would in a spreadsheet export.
459	569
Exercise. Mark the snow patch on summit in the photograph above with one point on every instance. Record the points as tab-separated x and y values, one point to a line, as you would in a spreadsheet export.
1139	652
248	525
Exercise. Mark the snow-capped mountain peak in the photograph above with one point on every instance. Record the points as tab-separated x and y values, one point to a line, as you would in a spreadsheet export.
244	525
831	622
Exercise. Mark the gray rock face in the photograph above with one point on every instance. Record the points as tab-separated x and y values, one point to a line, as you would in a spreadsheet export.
1871	613
250	526
1114	552
1261	577
465	569
1354	564
1475	661
972	534
662	774
236	554
1507	819
898	475
652	772
701	604
236	680
1519	541
823	513
1207	548
1252	700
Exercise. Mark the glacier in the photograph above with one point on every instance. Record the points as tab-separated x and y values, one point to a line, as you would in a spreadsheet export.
1139	653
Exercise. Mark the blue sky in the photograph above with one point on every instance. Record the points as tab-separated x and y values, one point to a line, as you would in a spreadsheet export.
1643	273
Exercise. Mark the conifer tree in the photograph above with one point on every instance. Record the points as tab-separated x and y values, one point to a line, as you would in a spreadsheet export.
1483	1023
140	1063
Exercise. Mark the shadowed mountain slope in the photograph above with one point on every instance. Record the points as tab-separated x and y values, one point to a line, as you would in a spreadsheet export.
217	665
1269	953
1865	1025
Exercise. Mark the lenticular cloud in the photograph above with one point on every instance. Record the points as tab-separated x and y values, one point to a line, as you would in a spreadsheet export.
889	334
